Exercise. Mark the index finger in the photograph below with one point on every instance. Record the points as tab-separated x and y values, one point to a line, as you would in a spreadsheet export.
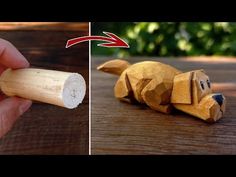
11	57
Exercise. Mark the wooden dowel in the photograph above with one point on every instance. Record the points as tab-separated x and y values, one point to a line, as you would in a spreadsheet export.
54	87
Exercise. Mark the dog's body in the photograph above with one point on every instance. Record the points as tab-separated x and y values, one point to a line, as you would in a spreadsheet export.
161	87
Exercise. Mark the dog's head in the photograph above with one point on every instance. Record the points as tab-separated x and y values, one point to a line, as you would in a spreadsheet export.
192	94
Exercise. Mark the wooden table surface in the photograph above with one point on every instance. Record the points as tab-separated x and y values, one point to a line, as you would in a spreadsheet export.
48	129
122	128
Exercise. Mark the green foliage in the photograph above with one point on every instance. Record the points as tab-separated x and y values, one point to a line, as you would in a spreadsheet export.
169	39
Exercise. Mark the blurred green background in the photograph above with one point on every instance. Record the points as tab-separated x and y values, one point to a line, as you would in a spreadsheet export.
169	38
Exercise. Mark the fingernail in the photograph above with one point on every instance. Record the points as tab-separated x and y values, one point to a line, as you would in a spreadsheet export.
25	105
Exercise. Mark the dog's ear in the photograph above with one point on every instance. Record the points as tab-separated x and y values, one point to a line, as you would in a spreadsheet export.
182	88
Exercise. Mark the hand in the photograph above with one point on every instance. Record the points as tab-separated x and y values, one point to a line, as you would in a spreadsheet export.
11	108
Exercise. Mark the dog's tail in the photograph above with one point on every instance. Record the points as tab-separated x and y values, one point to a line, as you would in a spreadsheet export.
116	66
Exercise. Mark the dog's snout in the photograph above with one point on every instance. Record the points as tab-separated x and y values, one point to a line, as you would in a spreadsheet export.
219	98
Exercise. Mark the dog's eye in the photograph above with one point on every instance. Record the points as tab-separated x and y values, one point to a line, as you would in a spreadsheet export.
208	83
202	85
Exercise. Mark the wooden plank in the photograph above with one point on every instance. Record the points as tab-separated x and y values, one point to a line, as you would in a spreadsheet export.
48	39
45	26
48	129
43	57
48	46
122	128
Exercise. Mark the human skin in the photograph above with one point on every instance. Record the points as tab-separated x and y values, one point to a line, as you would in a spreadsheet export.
11	108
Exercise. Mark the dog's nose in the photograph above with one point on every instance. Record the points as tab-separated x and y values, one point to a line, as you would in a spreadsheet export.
219	98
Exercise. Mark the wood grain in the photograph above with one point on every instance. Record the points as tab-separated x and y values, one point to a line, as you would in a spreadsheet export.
48	129
122	128
42	26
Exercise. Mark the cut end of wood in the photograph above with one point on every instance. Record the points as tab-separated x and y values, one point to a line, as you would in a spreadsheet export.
74	91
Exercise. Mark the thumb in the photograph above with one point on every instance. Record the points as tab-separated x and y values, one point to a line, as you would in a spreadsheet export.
10	110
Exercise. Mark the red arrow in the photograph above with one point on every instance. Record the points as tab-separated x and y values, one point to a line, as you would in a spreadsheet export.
112	40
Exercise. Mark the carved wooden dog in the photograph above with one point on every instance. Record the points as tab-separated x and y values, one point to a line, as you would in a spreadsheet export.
163	87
